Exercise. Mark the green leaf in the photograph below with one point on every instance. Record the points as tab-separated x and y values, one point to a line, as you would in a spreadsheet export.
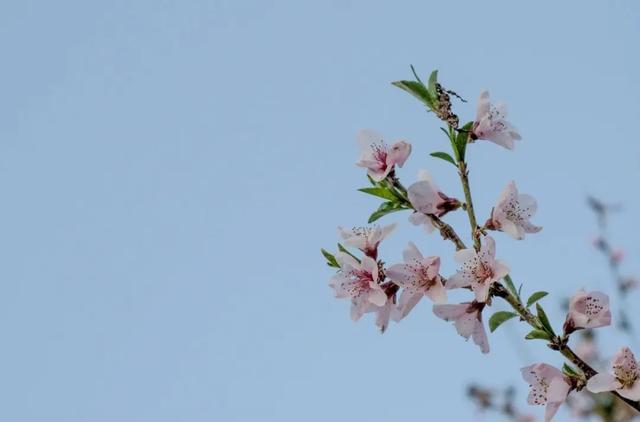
444	156
433	80
345	250
535	297
384	209
331	260
538	334
510	286
570	371
415	74
498	318
544	320
380	192
462	139
417	89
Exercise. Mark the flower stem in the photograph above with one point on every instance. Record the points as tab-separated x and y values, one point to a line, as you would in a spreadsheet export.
514	301
556	343
463	172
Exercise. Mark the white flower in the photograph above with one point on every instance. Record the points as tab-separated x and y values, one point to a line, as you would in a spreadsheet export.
491	123
512	213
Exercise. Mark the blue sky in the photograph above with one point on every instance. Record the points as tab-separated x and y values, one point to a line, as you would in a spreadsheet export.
170	170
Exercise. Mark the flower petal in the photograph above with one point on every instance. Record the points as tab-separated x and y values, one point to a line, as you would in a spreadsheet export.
631	393
411	254
602	382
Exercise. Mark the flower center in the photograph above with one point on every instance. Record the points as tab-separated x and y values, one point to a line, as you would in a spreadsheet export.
380	154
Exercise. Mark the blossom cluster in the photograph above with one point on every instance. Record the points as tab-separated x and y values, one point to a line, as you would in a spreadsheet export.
391	292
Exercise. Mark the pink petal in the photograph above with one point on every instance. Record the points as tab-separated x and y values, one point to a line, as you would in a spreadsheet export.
437	293
449	312
411	254
464	255
408	300
370	265
602	382
423	197
632	393
401	275
488	247
466	324
481	291
558	390
480	337
433	266
483	106
377	297
366	137
457	281
398	153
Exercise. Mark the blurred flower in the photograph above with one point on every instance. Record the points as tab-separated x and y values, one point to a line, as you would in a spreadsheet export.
467	318
617	255
587	310
586	348
418	276
629	283
479	269
548	386
358	281
512	213
377	157
625	379
367	239
491	123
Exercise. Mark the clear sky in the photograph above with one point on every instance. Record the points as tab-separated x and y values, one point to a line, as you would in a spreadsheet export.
170	169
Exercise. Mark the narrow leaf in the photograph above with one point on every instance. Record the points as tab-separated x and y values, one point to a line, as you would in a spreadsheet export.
535	297
380	192
331	260
463	138
416	89
544	320
444	156
433	80
510	286
538	334
415	74
569	371
498	318
384	209
345	250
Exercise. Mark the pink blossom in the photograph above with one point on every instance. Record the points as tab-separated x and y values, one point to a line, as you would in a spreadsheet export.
625	378
418	276
512	213
587	310
377	157
586	348
367	239
358	281
426	198
491	123
389	310
548	386
479	270
617	255
467	318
